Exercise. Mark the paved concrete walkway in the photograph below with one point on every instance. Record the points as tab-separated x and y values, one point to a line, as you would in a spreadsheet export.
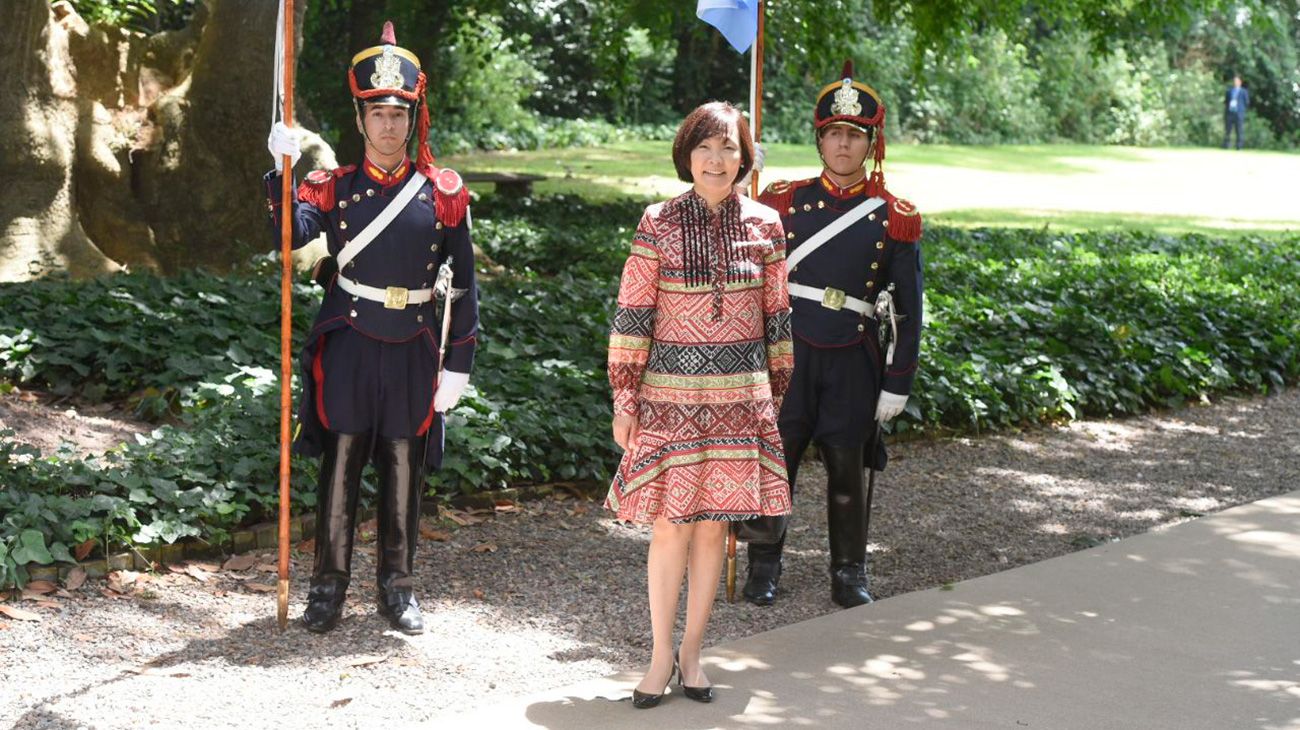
1195	626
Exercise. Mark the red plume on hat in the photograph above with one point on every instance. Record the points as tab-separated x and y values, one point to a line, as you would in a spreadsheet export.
847	73
388	37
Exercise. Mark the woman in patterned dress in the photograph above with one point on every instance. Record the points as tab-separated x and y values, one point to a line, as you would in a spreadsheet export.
699	358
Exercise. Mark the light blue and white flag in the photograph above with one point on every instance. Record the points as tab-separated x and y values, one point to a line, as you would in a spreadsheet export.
737	20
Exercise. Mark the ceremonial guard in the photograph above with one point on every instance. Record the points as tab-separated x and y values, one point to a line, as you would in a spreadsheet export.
854	271
381	363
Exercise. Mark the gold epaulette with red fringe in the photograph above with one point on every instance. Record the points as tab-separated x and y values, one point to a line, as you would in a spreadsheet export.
779	195
904	220
318	187
451	198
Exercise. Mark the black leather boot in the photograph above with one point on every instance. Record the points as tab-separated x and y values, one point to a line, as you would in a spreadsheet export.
846	519
764	573
400	464
336	508
767	538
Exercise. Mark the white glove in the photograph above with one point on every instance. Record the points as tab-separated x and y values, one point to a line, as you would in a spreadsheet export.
889	405
449	390
760	156
282	141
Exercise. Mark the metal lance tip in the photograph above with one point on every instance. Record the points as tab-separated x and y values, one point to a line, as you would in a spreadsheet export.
282	607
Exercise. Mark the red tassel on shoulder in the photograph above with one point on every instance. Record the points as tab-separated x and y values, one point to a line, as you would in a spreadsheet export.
318	189
451	198
779	196
904	220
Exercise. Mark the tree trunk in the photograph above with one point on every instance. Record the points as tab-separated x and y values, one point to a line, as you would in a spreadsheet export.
104	164
40	230
199	182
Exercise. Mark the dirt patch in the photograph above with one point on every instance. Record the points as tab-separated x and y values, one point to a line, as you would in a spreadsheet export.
45	422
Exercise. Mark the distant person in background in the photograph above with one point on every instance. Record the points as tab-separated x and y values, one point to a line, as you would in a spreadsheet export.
1235	101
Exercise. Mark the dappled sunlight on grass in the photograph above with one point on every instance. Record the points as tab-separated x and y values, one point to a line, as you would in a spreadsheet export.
1066	187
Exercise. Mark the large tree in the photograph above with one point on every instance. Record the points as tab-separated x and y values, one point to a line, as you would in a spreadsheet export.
126	149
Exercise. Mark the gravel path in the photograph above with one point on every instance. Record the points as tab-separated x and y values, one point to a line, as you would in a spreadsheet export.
553	592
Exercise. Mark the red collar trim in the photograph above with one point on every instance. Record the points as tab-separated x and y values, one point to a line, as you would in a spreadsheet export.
383	177
834	188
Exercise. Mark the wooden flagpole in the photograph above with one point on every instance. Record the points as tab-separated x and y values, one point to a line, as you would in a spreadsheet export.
756	115
286	324
756	95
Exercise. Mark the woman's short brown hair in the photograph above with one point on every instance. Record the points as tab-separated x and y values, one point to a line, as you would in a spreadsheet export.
711	120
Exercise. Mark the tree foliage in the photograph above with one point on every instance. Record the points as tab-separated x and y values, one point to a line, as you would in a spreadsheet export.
976	71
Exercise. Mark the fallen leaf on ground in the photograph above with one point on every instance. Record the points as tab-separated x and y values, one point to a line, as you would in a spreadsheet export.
240	562
40	587
479	594
63	594
484	547
210	567
106	593
505	505
365	660
340	702
27	595
81	551
435	535
49	604
464	519
369	525
306	546
18	614
259	587
197	573
123	581
76	578
579	510
268	568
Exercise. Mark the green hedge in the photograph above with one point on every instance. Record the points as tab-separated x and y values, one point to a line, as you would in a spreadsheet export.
1022	327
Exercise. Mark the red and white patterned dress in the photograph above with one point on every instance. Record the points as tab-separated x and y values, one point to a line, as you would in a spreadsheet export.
700	352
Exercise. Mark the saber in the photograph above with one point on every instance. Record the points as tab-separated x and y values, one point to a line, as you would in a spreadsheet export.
871	483
442	287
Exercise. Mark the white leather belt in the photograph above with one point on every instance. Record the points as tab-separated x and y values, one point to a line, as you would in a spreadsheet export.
831	299
393	297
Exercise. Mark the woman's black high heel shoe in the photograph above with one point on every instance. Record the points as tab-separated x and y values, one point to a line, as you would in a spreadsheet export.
699	694
645	700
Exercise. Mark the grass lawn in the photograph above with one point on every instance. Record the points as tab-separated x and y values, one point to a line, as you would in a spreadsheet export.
1070	187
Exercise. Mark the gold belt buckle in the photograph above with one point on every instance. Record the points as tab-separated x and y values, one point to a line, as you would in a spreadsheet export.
395	297
833	299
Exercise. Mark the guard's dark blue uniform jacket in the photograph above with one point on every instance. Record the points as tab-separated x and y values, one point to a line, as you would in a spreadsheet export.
432	227
879	251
